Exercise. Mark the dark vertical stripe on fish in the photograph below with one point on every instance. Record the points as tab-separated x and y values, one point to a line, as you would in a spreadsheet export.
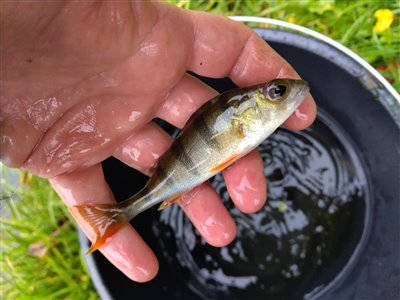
206	132
180	152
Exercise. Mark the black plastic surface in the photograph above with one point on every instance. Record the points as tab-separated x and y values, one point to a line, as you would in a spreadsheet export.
376	275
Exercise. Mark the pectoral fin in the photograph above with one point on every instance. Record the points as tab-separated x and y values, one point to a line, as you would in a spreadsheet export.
226	163
239	126
165	204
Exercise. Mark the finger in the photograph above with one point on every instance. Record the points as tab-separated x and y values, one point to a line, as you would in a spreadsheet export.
243	56
304	115
184	99
143	148
246	184
205	210
126	249
202	205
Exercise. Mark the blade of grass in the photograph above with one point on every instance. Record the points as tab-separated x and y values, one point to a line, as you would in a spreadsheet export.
60	272
353	28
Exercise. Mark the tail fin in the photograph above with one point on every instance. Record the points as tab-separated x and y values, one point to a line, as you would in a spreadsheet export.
104	219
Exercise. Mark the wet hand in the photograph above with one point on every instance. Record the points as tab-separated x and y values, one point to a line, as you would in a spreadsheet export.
82	82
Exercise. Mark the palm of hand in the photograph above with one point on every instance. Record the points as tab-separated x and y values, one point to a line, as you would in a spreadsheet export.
91	87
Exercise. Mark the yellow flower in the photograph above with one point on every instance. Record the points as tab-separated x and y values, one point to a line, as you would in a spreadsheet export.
292	19
384	18
328	6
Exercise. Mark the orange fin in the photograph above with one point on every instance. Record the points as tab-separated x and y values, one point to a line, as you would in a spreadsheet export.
165	204
104	219
225	163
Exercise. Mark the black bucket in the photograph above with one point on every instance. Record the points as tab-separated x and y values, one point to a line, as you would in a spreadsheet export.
331	227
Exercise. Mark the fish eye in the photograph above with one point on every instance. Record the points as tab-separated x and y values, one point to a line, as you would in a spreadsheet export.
275	92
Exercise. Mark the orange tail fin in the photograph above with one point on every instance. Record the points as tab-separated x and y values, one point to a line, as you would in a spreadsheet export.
104	219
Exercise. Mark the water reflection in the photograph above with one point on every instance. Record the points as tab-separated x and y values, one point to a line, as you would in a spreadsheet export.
280	252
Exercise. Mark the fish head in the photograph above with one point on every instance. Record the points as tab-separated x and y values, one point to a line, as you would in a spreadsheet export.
279	98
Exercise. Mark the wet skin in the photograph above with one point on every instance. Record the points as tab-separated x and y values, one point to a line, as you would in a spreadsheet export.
81	82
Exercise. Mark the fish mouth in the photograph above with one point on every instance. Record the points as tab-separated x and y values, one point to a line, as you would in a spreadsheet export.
303	90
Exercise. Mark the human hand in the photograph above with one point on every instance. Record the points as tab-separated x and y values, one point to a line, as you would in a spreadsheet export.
82	82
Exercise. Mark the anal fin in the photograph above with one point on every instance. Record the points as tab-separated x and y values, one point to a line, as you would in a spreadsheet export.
165	204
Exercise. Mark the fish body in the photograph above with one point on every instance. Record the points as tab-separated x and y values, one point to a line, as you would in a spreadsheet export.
224	129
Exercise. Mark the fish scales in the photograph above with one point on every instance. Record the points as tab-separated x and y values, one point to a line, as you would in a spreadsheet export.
202	145
224	129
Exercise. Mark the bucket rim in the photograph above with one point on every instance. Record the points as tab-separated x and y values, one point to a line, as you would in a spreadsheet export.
327	40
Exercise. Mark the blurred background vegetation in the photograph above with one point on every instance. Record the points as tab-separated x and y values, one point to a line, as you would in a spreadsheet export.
39	250
369	28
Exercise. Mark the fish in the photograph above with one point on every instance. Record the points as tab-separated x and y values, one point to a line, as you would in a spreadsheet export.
223	130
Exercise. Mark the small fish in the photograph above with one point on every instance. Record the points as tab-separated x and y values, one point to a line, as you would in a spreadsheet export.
223	130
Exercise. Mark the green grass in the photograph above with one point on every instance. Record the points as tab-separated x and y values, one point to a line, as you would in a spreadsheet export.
39	250
40	254
348	22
